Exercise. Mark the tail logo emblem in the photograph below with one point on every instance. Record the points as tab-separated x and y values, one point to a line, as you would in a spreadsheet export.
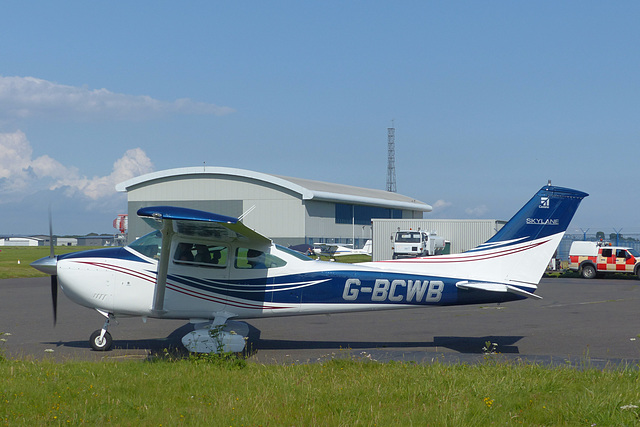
544	203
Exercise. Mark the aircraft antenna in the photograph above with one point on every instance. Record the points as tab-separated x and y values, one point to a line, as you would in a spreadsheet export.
391	158
247	212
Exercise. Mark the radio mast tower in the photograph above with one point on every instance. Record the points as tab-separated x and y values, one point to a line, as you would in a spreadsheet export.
391	158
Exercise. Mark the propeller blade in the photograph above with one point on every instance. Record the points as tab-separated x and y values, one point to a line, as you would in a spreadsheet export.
54	277
54	297
51	254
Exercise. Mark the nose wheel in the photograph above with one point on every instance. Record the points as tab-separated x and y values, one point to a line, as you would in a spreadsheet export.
100	340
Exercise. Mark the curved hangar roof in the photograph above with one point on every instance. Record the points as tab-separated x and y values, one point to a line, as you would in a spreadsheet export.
307	189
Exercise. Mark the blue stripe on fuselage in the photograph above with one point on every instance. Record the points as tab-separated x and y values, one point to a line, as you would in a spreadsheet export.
115	253
353	287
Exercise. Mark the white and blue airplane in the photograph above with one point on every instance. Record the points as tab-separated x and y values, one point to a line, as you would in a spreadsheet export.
213	270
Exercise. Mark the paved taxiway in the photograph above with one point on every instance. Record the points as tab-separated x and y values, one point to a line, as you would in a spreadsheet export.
578	320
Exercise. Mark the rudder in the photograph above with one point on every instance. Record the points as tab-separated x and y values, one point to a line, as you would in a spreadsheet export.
548	212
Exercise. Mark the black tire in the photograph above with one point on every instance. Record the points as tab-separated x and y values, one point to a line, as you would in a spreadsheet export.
100	345
589	271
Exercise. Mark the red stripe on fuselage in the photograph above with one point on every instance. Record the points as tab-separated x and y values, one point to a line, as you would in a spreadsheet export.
469	257
135	273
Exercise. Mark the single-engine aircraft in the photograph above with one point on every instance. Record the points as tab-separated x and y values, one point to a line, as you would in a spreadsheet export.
333	250
212	270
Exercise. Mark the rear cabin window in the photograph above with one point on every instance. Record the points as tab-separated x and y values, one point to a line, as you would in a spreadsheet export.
607	253
296	254
201	255
255	259
408	237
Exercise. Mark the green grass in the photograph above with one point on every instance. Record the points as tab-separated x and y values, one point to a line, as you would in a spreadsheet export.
335	392
227	391
15	260
348	259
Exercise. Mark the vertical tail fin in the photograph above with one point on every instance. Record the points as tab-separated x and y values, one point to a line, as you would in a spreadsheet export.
549	212
522	249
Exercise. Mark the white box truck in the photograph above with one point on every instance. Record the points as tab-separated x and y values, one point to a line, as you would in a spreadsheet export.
410	243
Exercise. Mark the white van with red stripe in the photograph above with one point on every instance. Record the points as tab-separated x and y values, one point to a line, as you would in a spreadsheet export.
591	258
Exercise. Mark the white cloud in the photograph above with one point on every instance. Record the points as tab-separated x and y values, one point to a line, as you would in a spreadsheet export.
477	211
441	204
134	162
18	170
14	150
25	97
21	175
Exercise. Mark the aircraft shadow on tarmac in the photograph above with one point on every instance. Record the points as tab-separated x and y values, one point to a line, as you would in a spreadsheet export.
501	344
473	345
155	346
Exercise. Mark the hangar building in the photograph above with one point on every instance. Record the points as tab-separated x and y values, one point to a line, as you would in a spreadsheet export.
290	211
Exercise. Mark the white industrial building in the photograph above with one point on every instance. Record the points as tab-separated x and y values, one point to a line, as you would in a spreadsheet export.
290	211
20	241
463	234
66	241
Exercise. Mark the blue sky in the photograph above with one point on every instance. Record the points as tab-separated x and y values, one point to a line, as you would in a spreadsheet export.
489	100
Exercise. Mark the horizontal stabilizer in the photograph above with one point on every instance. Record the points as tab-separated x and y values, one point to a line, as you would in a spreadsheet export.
496	287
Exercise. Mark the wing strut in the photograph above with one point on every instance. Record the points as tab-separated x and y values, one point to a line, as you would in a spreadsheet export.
163	266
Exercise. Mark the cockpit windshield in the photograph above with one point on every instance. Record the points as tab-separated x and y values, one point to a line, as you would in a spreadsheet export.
148	245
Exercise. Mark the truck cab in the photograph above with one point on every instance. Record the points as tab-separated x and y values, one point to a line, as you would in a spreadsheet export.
592	258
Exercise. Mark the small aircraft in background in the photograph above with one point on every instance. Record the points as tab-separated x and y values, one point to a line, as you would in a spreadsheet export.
213	270
333	250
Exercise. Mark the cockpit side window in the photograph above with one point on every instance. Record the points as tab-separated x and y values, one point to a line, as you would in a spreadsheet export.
201	255
255	259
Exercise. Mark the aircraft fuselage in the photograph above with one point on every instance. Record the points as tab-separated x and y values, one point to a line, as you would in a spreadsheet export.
122	281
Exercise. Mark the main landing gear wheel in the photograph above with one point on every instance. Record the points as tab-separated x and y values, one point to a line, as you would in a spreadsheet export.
100	344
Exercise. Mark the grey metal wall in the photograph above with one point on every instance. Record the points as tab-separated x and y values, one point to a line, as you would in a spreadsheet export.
321	226
277	213
463	234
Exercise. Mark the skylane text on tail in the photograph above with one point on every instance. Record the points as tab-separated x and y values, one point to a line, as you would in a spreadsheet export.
210	269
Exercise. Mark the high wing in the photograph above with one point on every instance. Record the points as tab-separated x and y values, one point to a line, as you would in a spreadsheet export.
199	223
172	220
